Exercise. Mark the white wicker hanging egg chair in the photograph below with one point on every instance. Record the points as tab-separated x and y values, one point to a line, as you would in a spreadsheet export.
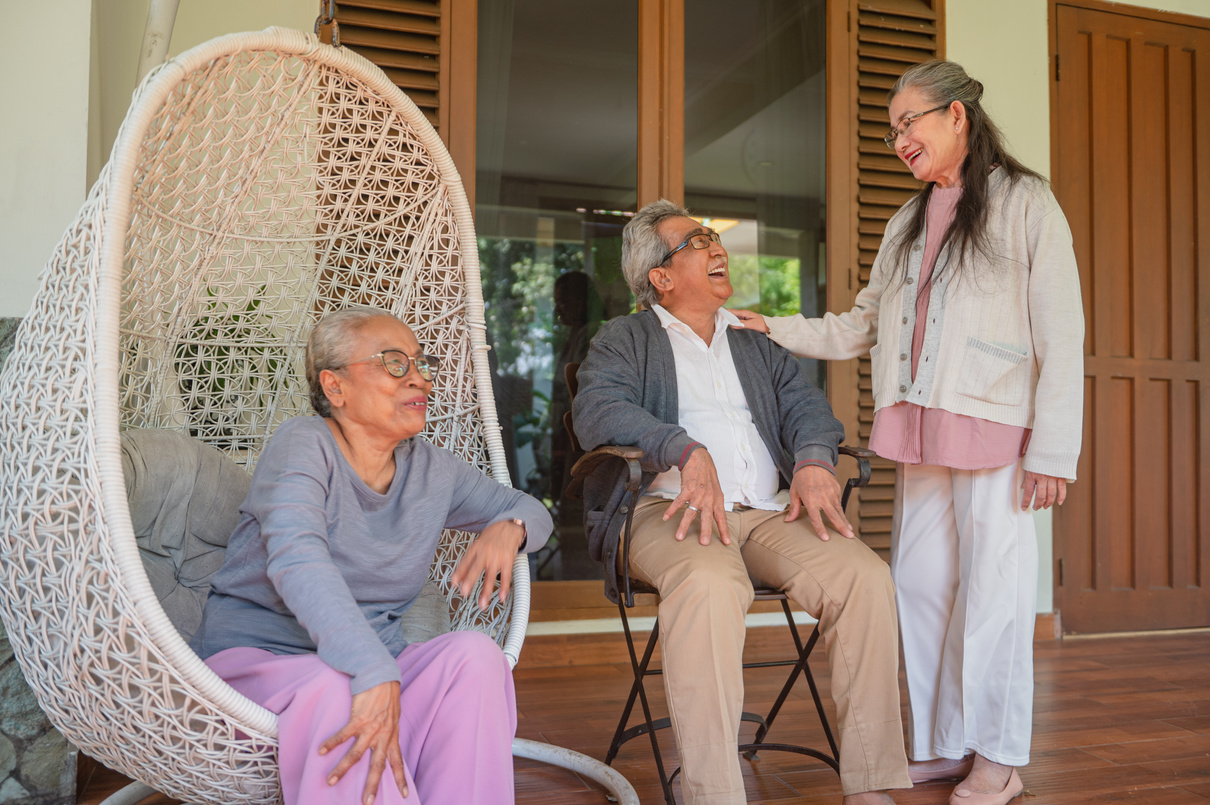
258	181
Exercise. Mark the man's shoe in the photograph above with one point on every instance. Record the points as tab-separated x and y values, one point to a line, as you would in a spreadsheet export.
957	771
1012	788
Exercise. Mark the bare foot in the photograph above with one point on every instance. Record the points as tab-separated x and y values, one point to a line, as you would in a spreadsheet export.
936	764
986	777
869	798
943	768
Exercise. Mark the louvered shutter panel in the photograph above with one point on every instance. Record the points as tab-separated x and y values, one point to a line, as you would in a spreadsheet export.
402	37
891	36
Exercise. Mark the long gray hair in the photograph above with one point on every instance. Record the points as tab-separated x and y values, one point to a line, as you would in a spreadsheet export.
643	249
943	82
329	346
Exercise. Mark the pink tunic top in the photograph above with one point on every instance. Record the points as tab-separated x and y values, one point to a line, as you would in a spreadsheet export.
912	434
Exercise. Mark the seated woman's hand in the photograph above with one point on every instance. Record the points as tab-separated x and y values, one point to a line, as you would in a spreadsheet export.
491	555
374	722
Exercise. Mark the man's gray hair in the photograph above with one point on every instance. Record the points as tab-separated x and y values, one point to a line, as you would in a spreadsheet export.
330	344
643	249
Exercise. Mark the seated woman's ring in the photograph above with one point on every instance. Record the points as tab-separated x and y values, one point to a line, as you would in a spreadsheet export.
694	508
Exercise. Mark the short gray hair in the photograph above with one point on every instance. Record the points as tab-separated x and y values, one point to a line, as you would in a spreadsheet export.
329	345
643	249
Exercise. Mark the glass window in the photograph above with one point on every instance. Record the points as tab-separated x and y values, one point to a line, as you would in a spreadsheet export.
755	160
555	182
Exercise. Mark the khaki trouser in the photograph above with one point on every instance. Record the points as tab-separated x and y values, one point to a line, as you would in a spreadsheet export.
705	592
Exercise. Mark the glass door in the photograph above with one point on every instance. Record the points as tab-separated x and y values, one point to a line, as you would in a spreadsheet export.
557	168
554	185
754	158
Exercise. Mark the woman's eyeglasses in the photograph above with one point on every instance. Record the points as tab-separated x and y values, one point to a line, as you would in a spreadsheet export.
396	362
905	126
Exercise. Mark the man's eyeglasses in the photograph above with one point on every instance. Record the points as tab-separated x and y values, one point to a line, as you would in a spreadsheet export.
698	240
396	362
905	126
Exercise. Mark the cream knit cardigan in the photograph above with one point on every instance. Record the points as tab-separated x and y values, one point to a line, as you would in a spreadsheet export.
1004	338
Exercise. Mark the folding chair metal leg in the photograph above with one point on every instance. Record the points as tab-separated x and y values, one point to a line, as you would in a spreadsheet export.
621	735
801	667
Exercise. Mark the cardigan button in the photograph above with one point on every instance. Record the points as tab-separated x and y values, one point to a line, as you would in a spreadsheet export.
910	281
623	509
902	389
903	356
905	319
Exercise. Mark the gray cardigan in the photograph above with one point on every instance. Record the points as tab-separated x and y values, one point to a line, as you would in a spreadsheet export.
628	396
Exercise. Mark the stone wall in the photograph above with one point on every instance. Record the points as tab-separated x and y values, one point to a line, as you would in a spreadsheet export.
37	765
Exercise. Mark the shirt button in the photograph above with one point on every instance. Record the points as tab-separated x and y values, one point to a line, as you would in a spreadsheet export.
902	389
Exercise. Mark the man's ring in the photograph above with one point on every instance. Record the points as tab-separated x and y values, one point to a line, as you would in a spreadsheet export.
694	508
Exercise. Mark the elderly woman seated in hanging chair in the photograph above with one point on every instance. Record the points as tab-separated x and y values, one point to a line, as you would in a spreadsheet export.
333	544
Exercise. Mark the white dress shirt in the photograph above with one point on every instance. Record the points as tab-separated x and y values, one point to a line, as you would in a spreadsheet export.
713	410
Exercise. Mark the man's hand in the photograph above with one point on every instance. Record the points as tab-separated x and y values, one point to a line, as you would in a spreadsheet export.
491	555
374	722
817	491
1046	490
703	496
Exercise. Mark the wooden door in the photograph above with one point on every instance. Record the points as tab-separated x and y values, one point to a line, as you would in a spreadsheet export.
1132	172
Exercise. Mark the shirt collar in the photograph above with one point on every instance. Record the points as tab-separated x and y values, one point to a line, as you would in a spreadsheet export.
723	318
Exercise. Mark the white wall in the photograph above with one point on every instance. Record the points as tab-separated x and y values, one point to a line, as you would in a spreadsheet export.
65	101
1007	47
44	138
120	36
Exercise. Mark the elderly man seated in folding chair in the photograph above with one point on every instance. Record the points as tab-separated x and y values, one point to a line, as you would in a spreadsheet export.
720	414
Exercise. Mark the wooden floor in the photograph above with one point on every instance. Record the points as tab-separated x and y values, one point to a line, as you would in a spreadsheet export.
1122	719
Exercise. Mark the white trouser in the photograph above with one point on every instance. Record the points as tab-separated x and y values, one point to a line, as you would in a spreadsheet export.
964	559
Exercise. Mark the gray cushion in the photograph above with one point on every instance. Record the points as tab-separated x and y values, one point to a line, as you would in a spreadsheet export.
184	501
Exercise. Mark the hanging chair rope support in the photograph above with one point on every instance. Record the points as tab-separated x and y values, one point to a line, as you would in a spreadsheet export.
157	35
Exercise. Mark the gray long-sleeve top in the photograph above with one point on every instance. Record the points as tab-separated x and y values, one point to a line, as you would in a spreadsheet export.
321	563
628	396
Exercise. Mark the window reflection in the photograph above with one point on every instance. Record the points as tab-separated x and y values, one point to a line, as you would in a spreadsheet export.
555	182
754	146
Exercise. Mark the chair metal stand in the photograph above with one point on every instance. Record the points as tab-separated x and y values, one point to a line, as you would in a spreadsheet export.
649	726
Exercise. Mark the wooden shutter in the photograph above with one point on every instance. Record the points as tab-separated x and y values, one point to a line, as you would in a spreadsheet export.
883	38
403	37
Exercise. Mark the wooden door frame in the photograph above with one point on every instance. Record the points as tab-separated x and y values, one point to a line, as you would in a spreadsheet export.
457	92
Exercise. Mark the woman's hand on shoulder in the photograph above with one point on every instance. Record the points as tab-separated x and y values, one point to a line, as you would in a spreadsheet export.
1044	490
374	723
750	320
491	555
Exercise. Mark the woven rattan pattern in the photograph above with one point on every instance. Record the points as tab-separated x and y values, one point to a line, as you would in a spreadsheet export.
277	179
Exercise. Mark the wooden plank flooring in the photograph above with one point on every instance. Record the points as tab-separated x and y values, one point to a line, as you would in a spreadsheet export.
1116	720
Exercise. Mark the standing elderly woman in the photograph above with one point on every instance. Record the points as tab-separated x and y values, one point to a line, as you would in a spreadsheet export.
974	326
334	541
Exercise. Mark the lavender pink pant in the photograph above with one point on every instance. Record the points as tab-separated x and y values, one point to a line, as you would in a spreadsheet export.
458	717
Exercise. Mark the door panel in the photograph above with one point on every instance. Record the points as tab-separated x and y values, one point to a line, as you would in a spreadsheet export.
1133	176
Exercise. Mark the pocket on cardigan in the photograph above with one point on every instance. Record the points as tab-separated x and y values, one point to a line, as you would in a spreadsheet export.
993	373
